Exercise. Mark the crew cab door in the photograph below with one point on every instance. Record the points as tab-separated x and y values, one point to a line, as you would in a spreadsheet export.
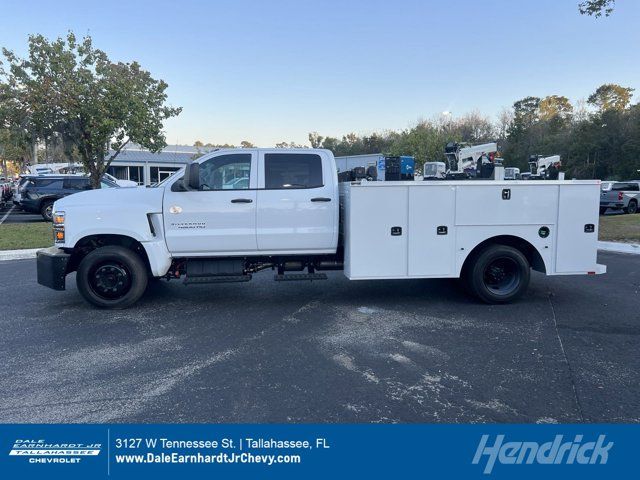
220	217
297	202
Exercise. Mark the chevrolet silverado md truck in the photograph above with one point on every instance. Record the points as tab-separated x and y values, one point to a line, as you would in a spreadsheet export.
233	213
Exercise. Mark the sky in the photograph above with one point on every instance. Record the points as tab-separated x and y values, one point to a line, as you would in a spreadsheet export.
275	70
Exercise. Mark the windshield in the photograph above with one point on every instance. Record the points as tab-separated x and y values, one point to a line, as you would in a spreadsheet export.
430	170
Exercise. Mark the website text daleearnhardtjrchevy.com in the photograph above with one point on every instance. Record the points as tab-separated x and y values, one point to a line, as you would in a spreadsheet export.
220	458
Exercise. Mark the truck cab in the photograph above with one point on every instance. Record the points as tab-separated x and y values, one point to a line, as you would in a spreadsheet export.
254	202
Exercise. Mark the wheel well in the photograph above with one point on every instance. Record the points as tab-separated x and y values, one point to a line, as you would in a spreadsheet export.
526	248
87	244
46	200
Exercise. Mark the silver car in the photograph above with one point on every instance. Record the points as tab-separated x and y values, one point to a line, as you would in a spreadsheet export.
620	195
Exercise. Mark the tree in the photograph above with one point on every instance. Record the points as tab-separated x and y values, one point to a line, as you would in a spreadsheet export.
315	140
596	7
289	145
526	112
94	105
611	97
246	144
555	107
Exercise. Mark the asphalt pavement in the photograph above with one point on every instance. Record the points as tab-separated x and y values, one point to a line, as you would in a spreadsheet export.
10	213
327	351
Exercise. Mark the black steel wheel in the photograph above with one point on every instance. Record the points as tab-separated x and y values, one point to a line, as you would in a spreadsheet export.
112	277
499	274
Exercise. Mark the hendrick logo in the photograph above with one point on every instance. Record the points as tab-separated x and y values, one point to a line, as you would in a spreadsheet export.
549	453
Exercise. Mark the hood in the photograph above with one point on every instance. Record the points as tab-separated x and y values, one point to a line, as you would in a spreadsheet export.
149	199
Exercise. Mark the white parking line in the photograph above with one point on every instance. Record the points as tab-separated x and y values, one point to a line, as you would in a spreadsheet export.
7	214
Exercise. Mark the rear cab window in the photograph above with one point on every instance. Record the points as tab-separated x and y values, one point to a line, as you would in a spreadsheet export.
292	170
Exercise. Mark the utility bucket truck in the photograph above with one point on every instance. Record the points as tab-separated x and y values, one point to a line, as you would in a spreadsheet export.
544	168
233	213
470	161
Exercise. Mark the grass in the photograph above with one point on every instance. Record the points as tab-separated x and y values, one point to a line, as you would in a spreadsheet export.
620	228
15	236
615	228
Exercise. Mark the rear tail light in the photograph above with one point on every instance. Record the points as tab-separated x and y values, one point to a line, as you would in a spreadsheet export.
620	195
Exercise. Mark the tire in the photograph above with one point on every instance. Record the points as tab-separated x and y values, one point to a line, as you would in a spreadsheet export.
632	207
112	277
603	210
499	274
46	210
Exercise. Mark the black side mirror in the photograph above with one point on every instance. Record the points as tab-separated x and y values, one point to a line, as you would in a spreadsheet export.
191	180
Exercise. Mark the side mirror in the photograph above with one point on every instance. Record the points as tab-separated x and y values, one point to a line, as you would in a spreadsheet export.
191	180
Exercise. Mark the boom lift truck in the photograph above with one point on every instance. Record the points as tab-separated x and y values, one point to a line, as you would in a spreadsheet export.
464	161
544	168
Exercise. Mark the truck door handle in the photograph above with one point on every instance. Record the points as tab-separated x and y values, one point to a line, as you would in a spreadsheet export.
241	200
320	199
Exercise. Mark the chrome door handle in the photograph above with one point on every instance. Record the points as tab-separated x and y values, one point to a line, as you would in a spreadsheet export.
320	199
241	200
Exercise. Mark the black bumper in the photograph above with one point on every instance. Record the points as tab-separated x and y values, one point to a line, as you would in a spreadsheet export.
52	267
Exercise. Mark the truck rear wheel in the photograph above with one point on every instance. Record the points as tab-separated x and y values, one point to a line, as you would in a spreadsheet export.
499	274
112	277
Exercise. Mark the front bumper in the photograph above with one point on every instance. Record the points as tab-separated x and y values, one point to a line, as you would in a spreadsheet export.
52	267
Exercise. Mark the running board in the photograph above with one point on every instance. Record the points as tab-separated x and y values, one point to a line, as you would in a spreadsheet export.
216	279
299	276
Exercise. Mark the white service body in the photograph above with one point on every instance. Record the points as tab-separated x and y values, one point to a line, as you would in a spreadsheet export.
472	212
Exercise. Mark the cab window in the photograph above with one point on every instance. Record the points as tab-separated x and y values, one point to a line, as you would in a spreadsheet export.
292	170
226	172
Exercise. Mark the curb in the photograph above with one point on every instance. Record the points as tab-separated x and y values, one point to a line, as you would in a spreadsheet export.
616	247
619	247
18	254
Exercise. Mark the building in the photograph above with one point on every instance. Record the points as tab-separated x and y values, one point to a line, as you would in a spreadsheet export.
146	168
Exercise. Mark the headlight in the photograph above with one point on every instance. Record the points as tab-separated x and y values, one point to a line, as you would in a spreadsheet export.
58	218
58	227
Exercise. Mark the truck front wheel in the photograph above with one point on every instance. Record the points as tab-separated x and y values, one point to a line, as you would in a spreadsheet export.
112	277
500	274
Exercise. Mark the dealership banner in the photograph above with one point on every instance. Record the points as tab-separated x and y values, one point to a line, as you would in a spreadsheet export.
318	451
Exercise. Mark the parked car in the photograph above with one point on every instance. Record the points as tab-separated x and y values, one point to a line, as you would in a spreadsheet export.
36	193
620	195
5	190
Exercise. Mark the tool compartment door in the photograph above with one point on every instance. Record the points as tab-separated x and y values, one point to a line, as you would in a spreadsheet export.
506	204
431	230
377	232
577	241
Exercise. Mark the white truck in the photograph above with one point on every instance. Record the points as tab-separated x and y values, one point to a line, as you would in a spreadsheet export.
544	168
233	213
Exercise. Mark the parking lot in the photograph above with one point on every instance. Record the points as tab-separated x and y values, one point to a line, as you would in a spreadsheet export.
12	214
328	351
